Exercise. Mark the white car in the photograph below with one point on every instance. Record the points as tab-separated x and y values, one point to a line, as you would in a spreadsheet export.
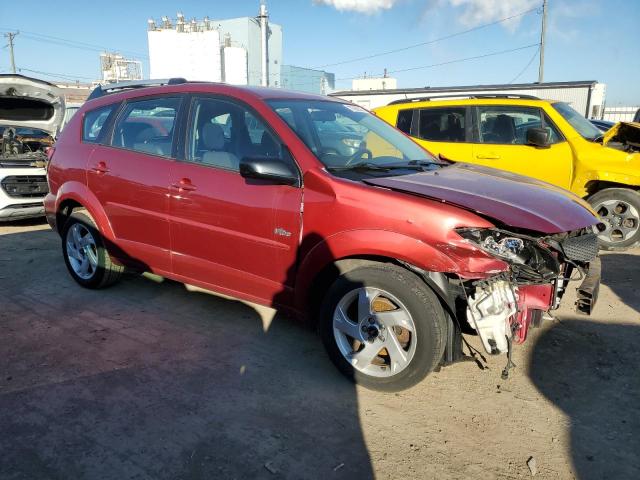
31	113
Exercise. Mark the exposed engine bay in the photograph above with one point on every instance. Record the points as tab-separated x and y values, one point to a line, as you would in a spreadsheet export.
21	147
623	136
503	307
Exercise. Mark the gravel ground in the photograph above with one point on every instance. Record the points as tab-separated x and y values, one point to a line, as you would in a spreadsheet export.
152	381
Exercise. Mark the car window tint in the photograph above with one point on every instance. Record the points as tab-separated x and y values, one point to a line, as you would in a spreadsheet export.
404	120
442	124
222	133
93	122
147	126
509	125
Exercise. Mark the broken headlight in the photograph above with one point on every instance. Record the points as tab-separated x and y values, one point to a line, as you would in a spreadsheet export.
496	243
532	261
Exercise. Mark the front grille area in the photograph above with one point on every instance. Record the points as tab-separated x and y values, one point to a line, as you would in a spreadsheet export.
582	248
25	186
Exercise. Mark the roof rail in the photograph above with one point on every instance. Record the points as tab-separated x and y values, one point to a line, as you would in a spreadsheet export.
109	88
473	95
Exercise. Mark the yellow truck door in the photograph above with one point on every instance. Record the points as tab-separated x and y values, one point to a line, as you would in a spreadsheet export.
500	141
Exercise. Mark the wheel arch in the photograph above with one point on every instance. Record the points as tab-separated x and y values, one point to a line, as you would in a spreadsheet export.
73	196
330	257
595	186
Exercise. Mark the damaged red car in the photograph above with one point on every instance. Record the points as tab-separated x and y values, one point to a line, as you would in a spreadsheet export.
318	208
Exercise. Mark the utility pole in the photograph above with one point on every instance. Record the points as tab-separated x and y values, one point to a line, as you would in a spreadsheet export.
11	36
542	35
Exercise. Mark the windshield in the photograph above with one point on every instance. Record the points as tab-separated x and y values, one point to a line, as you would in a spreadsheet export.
583	126
344	135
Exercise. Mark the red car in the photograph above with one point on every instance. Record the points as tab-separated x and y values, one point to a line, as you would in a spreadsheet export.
391	251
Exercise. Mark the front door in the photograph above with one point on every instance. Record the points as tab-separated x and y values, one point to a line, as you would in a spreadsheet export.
502	143
130	176
228	233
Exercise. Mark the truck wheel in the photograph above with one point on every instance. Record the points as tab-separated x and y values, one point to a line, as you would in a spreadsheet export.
619	210
85	255
383	327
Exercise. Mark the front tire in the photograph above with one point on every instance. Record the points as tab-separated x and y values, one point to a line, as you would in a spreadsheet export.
383	327
619	210
85	253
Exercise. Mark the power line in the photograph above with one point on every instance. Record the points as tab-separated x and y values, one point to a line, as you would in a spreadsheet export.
459	60
49	39
56	75
422	44
535	54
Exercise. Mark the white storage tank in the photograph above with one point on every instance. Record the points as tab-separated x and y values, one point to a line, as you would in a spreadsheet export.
235	66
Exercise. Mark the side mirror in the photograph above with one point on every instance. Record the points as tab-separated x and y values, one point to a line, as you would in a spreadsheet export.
538	137
274	170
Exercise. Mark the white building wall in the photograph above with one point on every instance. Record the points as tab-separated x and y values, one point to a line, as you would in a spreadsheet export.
192	55
620	114
385	83
577	97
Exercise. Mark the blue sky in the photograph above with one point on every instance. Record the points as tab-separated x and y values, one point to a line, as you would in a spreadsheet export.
587	39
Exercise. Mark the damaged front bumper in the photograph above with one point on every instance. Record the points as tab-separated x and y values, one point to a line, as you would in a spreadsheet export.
503	307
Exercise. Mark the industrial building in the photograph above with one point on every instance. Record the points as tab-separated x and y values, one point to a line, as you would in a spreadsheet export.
587	97
116	68
238	51
233	51
307	80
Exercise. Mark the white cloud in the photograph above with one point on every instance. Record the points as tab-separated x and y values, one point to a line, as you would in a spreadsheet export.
477	12
360	6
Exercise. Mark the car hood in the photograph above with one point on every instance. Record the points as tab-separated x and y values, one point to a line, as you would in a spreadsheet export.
511	199
32	103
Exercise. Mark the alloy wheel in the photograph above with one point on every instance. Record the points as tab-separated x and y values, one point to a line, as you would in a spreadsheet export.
374	332
620	220
82	251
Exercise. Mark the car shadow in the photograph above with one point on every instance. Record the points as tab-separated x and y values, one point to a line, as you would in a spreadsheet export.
623	269
146	380
590	371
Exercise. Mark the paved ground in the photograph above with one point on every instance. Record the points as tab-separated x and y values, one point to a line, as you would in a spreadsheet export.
151	381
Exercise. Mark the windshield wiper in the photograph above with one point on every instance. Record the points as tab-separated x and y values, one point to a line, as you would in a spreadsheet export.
362	166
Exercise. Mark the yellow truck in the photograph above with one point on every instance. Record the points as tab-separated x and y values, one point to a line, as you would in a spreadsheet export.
543	139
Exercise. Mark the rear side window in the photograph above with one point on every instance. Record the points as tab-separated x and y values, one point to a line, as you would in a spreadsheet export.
443	124
147	126
404	120
94	121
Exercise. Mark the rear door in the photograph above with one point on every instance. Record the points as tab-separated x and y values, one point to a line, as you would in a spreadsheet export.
130	177
228	233
501	133
441	130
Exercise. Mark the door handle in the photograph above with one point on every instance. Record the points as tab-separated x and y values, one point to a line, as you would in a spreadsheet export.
101	167
184	185
488	156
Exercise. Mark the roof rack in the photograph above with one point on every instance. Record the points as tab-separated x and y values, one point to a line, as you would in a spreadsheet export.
109	88
478	96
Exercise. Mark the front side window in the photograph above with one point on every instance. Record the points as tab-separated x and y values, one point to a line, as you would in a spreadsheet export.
147	126
223	133
93	122
506	125
583	126
442	124
343	135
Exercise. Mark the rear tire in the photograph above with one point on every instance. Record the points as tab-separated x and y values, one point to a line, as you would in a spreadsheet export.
383	327
619	210
85	254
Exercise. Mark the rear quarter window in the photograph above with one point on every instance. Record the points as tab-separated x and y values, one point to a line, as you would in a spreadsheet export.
93	122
